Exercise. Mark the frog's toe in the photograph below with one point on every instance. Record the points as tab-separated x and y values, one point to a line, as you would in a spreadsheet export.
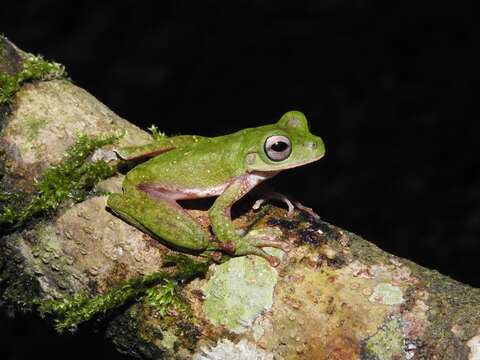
256	240
307	210
257	250
265	241
267	237
273	260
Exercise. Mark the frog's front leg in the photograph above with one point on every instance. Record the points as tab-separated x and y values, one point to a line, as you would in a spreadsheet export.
225	230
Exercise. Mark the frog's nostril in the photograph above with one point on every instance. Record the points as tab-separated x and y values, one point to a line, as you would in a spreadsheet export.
311	144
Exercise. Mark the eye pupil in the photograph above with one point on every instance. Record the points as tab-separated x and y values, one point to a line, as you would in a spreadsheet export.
279	146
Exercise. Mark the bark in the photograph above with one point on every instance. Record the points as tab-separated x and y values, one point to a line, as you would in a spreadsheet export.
334	295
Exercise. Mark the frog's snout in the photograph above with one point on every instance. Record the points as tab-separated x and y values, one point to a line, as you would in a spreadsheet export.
316	145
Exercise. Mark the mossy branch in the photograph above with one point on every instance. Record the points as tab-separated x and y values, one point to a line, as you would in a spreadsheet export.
33	68
334	295
70	312
71	179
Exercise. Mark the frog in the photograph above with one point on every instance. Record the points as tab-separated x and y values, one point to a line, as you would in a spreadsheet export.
225	167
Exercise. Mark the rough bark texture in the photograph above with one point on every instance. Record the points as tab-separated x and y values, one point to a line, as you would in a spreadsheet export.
334	296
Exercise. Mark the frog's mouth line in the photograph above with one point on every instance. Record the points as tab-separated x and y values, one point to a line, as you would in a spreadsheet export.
291	166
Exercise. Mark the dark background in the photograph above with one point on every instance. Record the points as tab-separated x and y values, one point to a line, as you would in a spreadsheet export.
390	90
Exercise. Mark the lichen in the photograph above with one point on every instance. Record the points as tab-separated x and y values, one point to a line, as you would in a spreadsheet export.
387	294
33	68
239	291
388	343
225	349
71	179
68	313
474	345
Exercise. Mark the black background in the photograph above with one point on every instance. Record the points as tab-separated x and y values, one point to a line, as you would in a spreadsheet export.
389	89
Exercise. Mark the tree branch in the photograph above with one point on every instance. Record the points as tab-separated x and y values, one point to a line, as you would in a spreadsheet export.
334	296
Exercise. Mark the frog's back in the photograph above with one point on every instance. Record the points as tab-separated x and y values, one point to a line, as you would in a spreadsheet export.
205	163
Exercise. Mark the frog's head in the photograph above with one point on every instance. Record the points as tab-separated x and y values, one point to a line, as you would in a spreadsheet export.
284	145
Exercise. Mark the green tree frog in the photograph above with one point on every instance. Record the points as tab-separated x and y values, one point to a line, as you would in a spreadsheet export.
228	167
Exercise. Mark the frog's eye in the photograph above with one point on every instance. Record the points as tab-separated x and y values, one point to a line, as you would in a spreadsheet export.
278	147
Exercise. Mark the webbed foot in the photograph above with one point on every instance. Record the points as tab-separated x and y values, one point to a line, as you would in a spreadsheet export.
256	240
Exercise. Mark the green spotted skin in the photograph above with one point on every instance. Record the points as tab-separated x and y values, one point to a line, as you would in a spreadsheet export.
227	167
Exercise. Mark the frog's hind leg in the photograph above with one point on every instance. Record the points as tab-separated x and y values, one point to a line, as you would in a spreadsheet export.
118	204
161	217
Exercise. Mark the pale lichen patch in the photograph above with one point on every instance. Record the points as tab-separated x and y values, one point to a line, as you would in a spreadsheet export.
225	349
238	292
474	345
387	294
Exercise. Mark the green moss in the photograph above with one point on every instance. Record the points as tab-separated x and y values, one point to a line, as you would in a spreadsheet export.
70	312
33	68
71	179
156	135
186	268
163	297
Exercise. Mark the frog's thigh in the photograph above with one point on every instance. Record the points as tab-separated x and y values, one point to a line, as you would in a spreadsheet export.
162	218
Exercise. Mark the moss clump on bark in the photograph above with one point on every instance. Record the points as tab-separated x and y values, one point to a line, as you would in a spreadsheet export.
68	313
164	296
33	68
156	134
71	179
